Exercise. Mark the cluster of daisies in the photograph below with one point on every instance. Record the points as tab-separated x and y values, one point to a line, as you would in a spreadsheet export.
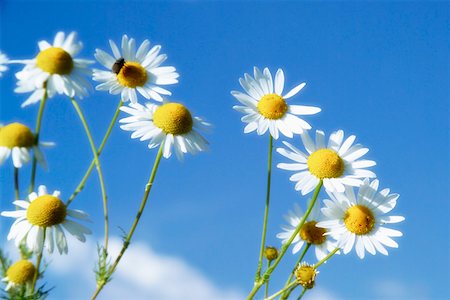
43	219
355	214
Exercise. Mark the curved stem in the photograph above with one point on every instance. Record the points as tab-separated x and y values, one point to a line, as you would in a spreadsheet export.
126	243
301	295
281	291
326	258
285	246
266	210
287	293
82	183
99	169
36	136
38	263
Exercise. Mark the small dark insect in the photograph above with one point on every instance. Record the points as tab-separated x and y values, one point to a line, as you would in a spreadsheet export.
118	65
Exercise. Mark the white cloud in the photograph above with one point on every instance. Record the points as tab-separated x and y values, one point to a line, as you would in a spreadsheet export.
393	289
319	293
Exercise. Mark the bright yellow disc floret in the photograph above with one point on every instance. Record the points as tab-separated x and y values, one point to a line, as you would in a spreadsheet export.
46	211
16	135
325	163
272	106
173	118
55	60
132	75
21	272
306	276
359	219
312	234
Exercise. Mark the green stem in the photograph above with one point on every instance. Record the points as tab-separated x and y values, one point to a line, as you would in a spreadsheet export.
82	183
326	258
266	293
281	291
16	183
126	243
99	169
285	246
266	211
301	295
38	263
36	136
287	293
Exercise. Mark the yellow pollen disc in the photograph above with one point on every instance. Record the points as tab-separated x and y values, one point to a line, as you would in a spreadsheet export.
173	118
21	272
272	106
55	60
306	276
359	219
132	75
325	163
312	234
16	135
46	211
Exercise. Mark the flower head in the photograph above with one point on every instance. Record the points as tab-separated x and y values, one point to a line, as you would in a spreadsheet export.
265	105
45	215
271	253
17	139
3	61
359	220
55	69
337	163
130	71
306	275
170	124
309	233
20	273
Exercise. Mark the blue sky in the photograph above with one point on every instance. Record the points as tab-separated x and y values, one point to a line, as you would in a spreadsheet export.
378	70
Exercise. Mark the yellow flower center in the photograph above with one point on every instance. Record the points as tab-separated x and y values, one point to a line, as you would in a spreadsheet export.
173	118
55	60
312	234
272	106
16	135
132	75
21	272
306	276
46	211
325	163
359	219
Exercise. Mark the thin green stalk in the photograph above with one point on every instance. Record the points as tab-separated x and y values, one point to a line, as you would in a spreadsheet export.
301	295
126	243
285	246
99	169
38	263
36	136
266	293
281	291
266	211
326	258
82	183
287	293
16	183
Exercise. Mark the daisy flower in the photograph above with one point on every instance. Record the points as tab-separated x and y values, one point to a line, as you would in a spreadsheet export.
132	70
20	273
265	105
45	213
170	124
17	140
337	164
309	233
3	62
359	220
55	69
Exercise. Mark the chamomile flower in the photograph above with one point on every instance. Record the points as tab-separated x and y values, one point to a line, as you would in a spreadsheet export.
55	69
359	220
338	164
45	213
17	140
130	71
3	61
309	233
265	105
170	124
19	274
